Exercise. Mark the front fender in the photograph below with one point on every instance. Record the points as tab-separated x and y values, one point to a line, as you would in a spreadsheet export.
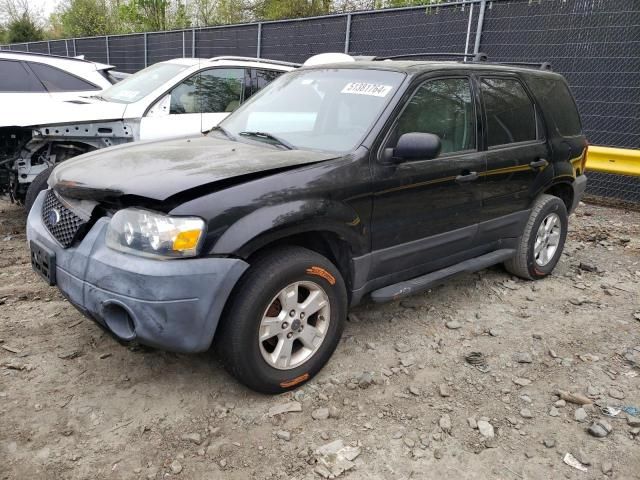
270	223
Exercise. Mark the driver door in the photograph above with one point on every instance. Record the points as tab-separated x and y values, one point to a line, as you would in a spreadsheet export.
427	210
176	114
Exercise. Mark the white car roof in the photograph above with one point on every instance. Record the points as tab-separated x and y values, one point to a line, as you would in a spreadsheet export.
66	63
235	61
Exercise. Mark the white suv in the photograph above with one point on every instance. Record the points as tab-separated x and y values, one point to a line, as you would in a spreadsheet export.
185	96
38	76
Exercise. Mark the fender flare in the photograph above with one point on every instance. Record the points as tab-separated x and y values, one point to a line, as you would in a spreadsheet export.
275	222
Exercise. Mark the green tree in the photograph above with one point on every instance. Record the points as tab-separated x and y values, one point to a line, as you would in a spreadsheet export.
153	15
23	22
23	29
220	12
85	18
279	9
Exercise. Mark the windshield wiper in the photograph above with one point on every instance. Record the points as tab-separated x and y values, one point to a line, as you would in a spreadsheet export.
99	97
269	136
224	131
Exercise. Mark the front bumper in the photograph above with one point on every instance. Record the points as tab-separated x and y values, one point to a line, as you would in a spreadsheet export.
172	305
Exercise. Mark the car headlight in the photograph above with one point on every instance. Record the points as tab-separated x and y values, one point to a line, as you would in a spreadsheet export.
150	234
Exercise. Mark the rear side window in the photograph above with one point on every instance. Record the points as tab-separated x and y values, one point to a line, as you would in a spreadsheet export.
511	116
14	77
58	81
265	77
559	106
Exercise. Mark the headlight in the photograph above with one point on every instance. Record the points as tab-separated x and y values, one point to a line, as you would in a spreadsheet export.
150	234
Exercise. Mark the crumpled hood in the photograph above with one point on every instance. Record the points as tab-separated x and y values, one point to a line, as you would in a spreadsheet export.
31	112
159	170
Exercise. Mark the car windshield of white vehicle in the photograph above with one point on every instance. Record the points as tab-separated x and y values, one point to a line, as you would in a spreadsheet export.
324	109
142	83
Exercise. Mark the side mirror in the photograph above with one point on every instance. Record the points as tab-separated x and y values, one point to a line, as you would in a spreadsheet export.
415	146
161	107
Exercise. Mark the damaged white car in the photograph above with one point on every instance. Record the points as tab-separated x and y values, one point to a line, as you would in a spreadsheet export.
179	97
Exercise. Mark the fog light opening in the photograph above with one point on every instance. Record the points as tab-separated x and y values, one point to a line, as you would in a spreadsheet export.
118	320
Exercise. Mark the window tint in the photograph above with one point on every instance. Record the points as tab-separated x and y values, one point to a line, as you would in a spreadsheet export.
58	81
265	77
221	89
511	116
14	77
444	108
558	104
184	98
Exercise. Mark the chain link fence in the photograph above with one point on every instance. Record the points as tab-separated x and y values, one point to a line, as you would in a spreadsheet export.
594	43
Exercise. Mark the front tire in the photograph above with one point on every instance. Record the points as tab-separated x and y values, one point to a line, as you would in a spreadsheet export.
284	320
39	184
542	242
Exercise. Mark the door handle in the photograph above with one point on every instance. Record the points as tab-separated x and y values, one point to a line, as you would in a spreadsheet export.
540	163
467	177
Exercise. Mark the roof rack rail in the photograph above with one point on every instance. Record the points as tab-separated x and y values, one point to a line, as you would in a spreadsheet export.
476	57
541	66
255	59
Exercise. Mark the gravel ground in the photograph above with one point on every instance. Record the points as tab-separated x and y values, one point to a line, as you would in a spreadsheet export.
397	400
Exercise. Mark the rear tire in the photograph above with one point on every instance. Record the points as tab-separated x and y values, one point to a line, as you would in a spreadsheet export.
542	242
267	314
39	184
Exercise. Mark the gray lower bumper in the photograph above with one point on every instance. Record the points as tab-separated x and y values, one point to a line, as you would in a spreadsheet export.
579	186
173	305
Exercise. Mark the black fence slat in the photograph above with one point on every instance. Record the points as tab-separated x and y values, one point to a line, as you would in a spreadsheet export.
126	52
236	40
298	40
94	48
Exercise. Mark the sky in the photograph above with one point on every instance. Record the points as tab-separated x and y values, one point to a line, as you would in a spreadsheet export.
44	7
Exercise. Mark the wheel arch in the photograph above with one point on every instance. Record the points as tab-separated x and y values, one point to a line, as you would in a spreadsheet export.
563	190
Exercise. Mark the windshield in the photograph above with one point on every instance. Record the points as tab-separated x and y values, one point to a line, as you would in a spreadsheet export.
324	109
142	83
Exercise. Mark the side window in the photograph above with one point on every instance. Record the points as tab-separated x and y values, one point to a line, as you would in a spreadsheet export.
264	78
14	77
442	107
511	116
184	97
221	89
58	81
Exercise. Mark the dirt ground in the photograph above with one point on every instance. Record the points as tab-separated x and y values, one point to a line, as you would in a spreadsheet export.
74	403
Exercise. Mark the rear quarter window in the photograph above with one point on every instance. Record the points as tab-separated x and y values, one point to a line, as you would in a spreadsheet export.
559	107
58	81
14	77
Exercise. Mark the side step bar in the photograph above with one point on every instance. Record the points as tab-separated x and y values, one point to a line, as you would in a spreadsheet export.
425	282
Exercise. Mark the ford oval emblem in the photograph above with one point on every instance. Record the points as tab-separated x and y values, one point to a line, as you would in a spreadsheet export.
53	217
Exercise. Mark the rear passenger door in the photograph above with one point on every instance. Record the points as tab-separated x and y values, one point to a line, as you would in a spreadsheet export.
516	149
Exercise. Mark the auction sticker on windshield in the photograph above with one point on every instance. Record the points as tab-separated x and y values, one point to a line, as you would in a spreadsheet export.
372	89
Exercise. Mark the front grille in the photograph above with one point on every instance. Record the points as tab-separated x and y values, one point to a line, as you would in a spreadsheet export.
63	224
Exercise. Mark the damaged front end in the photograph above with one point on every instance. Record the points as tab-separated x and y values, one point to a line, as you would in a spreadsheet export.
25	152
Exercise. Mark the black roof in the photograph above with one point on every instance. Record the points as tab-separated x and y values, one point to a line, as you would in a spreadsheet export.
472	62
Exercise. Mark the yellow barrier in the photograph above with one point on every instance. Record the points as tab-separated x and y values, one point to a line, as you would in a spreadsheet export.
620	161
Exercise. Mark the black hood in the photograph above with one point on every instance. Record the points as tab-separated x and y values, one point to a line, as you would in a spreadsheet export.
159	170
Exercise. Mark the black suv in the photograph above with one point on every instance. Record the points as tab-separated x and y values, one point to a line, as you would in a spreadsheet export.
337	182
